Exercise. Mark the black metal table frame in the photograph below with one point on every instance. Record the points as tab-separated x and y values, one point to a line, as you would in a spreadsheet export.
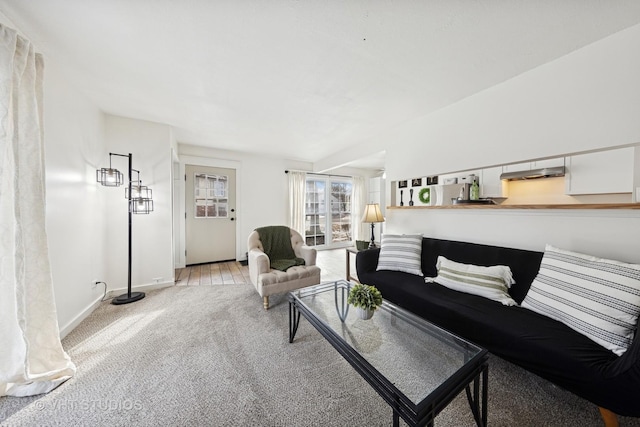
475	371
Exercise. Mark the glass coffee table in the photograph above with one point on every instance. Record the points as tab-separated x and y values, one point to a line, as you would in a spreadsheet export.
417	367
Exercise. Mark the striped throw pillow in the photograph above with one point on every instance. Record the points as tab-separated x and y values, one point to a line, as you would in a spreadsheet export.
599	298
491	282
401	253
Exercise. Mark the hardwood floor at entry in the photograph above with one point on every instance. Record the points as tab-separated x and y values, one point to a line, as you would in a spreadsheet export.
331	262
218	273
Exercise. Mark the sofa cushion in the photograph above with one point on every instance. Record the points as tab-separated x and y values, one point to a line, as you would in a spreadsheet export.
491	282
597	297
401	253
292	274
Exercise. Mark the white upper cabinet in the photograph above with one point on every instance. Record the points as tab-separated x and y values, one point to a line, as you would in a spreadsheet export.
516	167
599	173
490	183
538	164
549	163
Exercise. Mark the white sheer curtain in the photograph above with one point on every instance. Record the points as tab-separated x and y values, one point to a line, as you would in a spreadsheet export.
32	360
358	203
297	190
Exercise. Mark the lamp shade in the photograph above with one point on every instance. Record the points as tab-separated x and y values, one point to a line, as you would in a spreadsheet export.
138	191
141	206
109	177
372	213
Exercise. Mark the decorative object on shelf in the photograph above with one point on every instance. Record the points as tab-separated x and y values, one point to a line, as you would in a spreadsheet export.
411	197
425	196
474	192
139	202
365	298
401	194
372	214
402	184
416	182
461	196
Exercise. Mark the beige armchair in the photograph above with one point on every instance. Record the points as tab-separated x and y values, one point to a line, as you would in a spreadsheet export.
268	281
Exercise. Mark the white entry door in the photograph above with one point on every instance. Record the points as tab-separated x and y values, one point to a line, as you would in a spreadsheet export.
211	214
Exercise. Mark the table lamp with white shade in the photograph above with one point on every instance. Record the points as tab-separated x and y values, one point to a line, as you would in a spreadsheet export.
372	214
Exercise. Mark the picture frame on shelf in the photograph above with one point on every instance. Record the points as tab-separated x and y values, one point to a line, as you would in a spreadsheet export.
416	182
402	184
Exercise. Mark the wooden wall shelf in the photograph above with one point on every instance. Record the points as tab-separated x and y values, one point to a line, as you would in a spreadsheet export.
565	206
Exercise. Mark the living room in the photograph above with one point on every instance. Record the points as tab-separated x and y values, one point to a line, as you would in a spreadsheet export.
572	89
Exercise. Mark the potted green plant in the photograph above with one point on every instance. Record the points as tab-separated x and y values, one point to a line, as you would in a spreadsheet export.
365	298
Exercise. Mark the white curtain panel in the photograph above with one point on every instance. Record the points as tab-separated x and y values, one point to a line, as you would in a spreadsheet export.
32	360
358	200
297	190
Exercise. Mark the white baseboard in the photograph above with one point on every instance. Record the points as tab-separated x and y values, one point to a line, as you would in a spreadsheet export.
110	294
79	318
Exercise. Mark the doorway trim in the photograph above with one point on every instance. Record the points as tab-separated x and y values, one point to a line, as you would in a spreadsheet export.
181	243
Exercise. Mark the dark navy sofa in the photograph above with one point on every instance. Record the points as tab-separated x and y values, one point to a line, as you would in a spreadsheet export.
537	343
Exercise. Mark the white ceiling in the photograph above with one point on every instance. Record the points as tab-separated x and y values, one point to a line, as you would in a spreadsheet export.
303	79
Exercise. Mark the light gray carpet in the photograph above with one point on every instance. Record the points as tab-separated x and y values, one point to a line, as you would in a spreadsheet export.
210	355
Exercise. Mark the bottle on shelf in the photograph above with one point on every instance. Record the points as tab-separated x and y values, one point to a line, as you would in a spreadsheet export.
474	192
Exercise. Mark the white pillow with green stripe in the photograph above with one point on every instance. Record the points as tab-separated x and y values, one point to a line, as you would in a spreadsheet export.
401	252
489	282
597	297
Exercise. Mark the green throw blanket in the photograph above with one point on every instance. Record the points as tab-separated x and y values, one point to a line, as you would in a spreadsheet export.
276	242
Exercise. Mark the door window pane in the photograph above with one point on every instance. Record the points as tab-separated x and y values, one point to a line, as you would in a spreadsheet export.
315	222
211	192
327	211
340	211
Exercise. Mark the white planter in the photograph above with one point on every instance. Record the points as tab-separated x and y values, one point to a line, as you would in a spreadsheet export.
364	314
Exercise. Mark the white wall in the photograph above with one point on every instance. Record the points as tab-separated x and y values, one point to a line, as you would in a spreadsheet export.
73	129
85	244
606	233
587	100
152	250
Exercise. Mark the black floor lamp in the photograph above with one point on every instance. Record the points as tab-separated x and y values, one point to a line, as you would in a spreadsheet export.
139	200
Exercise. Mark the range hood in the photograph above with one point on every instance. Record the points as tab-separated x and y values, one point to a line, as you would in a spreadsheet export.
533	174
